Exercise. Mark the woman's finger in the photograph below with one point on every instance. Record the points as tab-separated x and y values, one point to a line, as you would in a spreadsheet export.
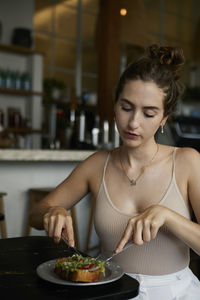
68	230
126	236
58	228
51	225
146	233
154	229
137	234
46	224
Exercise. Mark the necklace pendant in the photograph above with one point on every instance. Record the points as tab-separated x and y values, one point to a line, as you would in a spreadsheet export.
132	181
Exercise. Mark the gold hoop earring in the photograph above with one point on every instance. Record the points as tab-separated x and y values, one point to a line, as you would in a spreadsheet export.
162	129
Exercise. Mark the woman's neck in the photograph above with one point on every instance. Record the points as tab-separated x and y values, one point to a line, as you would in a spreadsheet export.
140	155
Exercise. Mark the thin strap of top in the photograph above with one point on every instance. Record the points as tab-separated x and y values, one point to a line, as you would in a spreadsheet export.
105	165
173	161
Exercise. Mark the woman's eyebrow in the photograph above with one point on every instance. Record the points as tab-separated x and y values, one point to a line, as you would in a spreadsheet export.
145	107
126	101
151	107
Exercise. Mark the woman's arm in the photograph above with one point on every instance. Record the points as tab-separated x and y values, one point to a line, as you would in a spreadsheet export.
52	213
145	226
183	228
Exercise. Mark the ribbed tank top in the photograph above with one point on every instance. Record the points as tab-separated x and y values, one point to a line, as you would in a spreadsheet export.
163	255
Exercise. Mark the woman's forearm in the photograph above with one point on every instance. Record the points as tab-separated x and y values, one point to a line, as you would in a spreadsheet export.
36	216
184	229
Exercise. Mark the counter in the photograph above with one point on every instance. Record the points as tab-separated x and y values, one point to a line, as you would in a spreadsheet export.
44	155
21	170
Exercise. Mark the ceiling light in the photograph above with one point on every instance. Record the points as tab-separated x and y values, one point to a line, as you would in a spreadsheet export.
123	12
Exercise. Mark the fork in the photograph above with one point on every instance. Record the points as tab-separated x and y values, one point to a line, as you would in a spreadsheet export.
71	248
107	257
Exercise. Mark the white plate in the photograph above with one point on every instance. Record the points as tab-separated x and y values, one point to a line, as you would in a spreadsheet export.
46	272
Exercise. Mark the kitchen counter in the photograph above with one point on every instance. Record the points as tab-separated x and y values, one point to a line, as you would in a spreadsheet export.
44	155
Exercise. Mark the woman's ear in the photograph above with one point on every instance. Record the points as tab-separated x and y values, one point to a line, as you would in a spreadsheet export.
163	121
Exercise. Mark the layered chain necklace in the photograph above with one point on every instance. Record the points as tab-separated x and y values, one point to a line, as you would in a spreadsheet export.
133	181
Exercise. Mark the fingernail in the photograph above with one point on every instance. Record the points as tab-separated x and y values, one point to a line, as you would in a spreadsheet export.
71	243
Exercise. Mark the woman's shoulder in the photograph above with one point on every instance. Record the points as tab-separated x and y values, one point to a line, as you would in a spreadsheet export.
187	161
185	157
92	168
187	154
96	160
97	156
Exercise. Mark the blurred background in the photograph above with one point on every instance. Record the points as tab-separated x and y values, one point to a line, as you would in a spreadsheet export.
60	62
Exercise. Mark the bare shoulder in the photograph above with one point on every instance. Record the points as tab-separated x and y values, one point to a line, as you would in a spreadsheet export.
96	158
94	163
188	155
188	160
92	168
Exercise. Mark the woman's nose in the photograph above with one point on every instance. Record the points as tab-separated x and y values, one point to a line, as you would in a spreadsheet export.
134	120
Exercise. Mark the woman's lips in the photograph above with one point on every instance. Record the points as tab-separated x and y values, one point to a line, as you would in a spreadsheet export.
130	135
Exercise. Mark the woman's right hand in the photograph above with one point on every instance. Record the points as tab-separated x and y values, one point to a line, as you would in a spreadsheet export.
58	223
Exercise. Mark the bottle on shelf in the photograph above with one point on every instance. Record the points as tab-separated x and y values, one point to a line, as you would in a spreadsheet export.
2	78
1	120
12	79
81	136
96	132
69	128
16	80
8	79
106	144
25	81
82	127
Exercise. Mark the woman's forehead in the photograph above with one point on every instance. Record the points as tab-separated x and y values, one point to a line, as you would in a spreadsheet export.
143	91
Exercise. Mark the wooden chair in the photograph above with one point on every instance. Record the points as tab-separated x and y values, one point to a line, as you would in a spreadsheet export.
36	195
2	217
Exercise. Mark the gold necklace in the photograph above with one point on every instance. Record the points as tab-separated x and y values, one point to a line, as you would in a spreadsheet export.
132	180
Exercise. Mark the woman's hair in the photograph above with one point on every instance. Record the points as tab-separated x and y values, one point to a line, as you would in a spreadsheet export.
162	66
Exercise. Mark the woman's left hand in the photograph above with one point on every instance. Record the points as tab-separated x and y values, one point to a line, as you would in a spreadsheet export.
144	227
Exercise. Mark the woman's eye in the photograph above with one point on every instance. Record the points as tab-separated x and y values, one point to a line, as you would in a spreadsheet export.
125	108
149	116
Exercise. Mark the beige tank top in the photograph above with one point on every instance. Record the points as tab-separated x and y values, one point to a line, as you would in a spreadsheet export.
163	255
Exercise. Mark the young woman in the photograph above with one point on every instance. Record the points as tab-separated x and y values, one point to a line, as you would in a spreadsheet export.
145	192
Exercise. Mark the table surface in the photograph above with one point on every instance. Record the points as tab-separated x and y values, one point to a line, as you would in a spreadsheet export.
19	258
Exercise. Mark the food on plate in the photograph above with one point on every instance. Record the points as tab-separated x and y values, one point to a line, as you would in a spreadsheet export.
78	268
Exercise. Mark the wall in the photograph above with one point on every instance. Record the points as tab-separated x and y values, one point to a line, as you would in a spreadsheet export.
15	14
173	23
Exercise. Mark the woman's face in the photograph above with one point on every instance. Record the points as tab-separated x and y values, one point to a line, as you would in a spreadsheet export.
139	112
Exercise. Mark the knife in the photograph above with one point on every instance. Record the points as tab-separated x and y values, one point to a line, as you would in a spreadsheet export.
109	255
74	249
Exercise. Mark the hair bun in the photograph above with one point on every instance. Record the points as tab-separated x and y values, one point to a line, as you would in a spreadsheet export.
172	57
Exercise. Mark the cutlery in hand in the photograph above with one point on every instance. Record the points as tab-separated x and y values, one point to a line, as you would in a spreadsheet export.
71	248
108	255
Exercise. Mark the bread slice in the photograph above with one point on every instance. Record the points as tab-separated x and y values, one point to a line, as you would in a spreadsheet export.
79	269
85	276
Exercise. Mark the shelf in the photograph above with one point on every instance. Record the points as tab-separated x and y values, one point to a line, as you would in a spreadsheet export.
53	101
19	92
17	49
23	130
68	104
